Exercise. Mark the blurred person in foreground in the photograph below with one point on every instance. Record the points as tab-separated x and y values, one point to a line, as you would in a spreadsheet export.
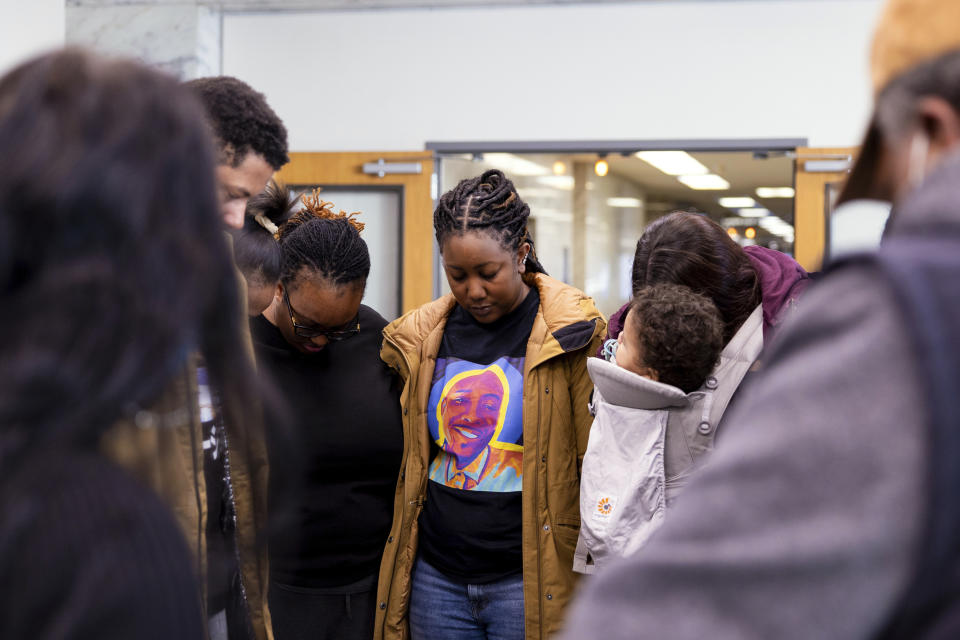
113	271
829	510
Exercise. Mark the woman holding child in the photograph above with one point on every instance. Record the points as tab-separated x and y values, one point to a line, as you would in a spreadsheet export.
495	412
696	325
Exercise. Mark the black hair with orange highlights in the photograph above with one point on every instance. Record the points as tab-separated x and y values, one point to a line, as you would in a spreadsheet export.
325	242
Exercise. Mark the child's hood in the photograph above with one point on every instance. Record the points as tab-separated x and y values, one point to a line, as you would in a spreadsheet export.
625	388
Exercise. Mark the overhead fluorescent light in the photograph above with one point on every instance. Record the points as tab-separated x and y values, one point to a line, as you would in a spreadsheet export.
709	182
773	224
564	183
775	192
625	203
673	163
737	203
774	221
515	165
753	212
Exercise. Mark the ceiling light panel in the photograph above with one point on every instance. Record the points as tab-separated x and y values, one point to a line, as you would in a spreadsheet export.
625	203
709	182
753	212
673	163
775	192
737	203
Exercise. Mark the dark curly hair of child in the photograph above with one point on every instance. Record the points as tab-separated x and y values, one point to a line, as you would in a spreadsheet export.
242	121
680	334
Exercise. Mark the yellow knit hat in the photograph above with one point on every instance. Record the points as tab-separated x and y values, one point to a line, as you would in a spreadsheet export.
911	32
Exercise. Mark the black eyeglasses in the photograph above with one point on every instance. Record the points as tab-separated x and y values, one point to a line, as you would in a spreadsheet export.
333	335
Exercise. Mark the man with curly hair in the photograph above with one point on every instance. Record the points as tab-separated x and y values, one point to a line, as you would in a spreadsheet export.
251	144
251	141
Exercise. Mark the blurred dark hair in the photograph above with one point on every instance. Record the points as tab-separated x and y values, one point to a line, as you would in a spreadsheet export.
113	261
894	116
692	250
680	334
324	242
490	203
256	251
242	121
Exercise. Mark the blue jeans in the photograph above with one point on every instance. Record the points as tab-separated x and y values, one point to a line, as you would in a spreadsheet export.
441	609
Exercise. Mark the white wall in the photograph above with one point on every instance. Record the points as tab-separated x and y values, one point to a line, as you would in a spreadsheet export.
29	27
395	79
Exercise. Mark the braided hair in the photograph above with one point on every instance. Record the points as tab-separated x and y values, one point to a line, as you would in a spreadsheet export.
490	203
323	241
256	251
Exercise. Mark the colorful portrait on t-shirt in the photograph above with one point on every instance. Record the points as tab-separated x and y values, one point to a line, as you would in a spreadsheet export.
476	419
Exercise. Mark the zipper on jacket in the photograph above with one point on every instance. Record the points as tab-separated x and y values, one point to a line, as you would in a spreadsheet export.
194	449
228	479
415	504
536	497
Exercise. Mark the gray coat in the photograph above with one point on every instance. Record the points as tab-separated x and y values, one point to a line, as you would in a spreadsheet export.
804	522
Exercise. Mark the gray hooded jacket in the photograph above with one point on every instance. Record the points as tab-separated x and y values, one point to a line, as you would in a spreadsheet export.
645	441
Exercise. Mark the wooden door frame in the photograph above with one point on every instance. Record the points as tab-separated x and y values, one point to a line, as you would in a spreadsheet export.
345	169
810	217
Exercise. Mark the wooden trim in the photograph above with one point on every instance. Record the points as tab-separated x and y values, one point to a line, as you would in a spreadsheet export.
346	169
809	206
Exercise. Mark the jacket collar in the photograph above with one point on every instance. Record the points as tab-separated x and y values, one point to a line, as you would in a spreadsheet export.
624	388
566	321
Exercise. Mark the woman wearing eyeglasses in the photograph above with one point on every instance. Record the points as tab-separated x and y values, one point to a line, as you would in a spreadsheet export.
335	453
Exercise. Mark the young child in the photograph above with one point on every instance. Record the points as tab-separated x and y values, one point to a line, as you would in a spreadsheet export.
671	335
670	343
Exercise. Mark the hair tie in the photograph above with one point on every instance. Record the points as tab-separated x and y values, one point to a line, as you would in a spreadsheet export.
267	224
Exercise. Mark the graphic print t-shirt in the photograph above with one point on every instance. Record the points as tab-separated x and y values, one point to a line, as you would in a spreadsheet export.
470	528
